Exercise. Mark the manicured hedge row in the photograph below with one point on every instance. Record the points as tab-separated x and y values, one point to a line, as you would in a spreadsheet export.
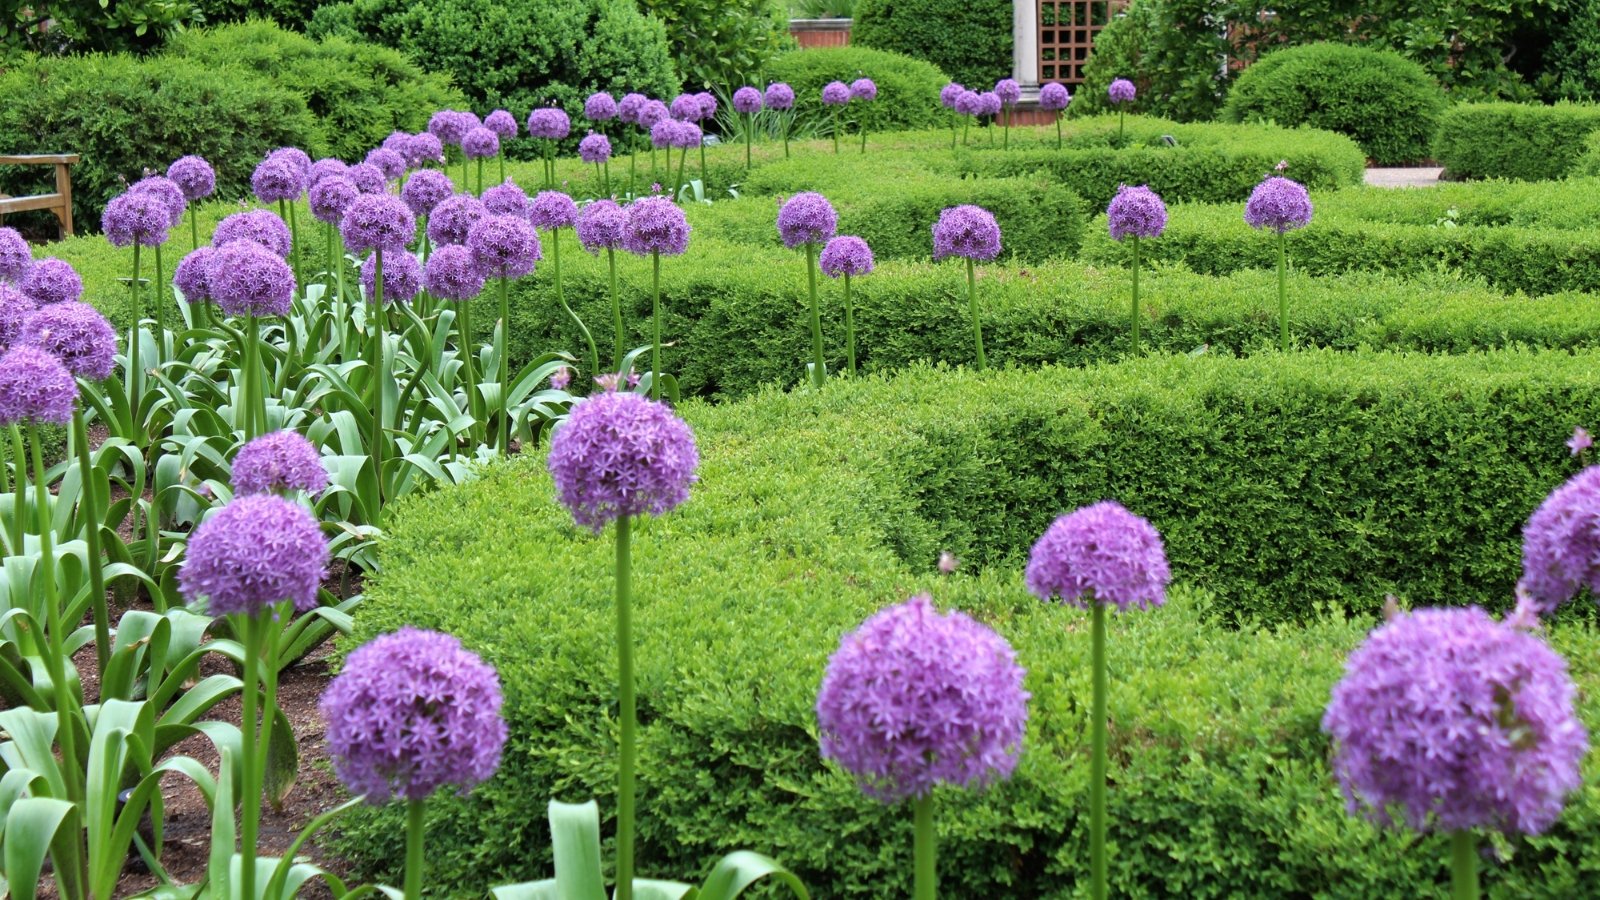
1513	140
1278	482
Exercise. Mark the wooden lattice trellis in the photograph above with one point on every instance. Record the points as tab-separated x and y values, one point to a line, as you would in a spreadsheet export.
1066	33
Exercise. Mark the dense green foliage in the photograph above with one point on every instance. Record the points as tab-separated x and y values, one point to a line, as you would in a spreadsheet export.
1386	102
1588	165
1513	140
291	14
970	42
1173	62
716	43
1573	59
908	89
1276	481
82	26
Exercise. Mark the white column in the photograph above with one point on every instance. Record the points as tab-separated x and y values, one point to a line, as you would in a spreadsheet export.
1025	40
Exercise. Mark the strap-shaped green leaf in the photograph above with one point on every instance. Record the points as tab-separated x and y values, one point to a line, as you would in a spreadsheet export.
31	829
742	868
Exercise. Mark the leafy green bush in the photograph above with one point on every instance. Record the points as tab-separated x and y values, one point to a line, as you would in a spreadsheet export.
908	89
1588	165
1522	141
291	14
1276	481
84	26
1386	102
1173	62
971	42
720	42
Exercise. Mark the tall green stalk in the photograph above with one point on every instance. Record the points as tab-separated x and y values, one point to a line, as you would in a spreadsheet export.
1463	866
480	176
19	497
836	130
749	126
1134	322
655	325
704	183
633	171
250	761
1283	296
160	304
89	512
616	311
502	364
849	327
1120	115
972	306
502	158
1006	113
816	316
925	850
286	209
628	711
414	858
561	298
1058	129
783	125
247	377
863	132
683	157
467	346
375	364
1097	751
135	371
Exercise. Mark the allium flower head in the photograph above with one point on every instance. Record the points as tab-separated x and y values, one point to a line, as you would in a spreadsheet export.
968	231
402	277
276	463
412	712
708	105
560	378
426	189
1053	96
52	280
35	387
949	93
1561	544
448	125
136	218
968	103
192	277
1458	721
331	198
258	226
15	255
1279	204
620	454
1009	92
390	162
452	274
75	333
600	107
594	148
1101	554
779	96
747	101
664	134
257	551
295	158
686	108
1136	212
368	178
687	135
835	93
277	178
194	176
806	218
552	209
504	246
601	226
1122	91
1580	440
652	112
396	141
628	109
247	278
864	89
378	222
506	199
453	218
15	310
846	255
989	104
502	123
480	143
168	193
325	168
550	123
655	225
424	148
913	699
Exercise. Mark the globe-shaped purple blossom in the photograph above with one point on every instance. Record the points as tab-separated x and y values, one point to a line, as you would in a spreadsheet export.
949	93
257	551
1122	91
453	218
708	105
277	178
425	148
504	246
396	141
989	104
502	123
480	143
967	231
807	218
412	712
747	101
1136	212
1457	721
136	218
52	280
15	255
1100	554
655	225
295	158
368	178
968	103
1053	96
620	454
248	279
194	176
652	112
913	699
550	123
378	222
449	126
425	190
601	226
836	93
863	89
664	134
452	274
552	209
276	463
402	277
326	168
35	387
331	198
594	148
1561	544
392	163
1009	92
1278	203
168	193
15	310
686	108
258	226
600	107
192	277
779	96
687	136
507	199
630	105
75	333
846	255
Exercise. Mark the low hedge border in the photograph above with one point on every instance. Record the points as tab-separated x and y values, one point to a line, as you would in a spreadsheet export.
1276	481
1524	141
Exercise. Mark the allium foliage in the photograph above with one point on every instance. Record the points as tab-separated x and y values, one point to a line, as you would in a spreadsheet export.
620	454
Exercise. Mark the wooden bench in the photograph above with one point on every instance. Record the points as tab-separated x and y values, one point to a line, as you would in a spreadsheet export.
59	202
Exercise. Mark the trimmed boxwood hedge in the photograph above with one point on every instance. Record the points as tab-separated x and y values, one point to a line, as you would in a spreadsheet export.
908	89
1523	141
1278	482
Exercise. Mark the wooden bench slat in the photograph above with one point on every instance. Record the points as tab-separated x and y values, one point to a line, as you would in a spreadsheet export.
39	159
24	204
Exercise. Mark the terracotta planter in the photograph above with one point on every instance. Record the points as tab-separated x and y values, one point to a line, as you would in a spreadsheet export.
820	32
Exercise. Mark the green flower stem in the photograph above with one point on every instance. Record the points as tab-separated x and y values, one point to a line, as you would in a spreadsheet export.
480	176
627	705
1464	866
1006	143
816	316
863	132
655	325
414	834
991	131
502	158
1120	115
1097	754
1134	321
683	157
783	120
247	376
616	311
633	171
89	508
549	167
605	171
972	305
1058	129
561	298
250	760
465	184
135	371
467	347
19	497
925	850
966	122
836	130
849	327
1283	297
194	229
375	358
160	304
704	182
502	364
952	130
287	210
749	126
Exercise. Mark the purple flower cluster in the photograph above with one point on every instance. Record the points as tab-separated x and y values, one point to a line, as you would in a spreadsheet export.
425	190
968	231
1136	212
1278	203
1100	554
652	112
278	178
295	158
194	176
253	553
52	280
247	278
747	101
550	123
1561	544
15	255
136	217
506	199
989	104
331	198
600	107
258	226
1053	96
686	108
402	277
594	148
276	463
835	93
390	162
453	218
167	193
1457	720
949	94
480	143
326	168
502	123
192	277
552	209
664	134
450	126
423	148
601	226
846	255
35	387
968	103
504	246
1580	440
412	712
913	699
620	454
15	310
368	178
452	274
806	218
779	96
1009	92
1122	91
629	108
75	333
378	222
655	225
864	89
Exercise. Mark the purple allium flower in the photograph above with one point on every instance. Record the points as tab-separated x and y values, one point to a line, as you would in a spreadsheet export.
620	454
949	93
846	255
277	178
664	134
396	141
15	309
747	101
168	193
192	277
1136	212
426	189
507	199
779	96
686	108
453	217
1457	720
247	278
296	158
550	123
331	198
594	148
552	209
75	333
948	563
807	218
452	274
989	104
652	112
194	176
1009	92
35	387
599	107
368	178
378	222
1561	544
628	109
1580	441
502	123
134	217
601	226
968	103
504	246
1053	96
448	125
325	168
423	148
708	106
863	89
1281	166
256	225
655	225
968	231
257	551
411	712
276	463
1100	554
402	276
687	136
836	93
1122	91
480	143
390	162
15	255
1279	204
913	699
52	280
560	378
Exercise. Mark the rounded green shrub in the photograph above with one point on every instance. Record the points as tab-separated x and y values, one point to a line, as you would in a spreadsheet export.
722	43
1387	103
1520	141
1588	165
970	42
908	89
